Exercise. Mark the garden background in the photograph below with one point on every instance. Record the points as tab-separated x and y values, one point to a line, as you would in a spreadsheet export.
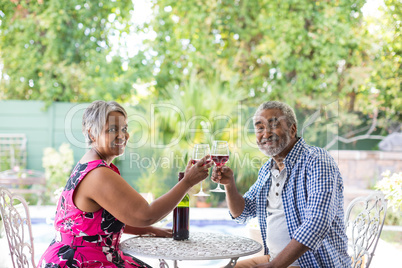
193	71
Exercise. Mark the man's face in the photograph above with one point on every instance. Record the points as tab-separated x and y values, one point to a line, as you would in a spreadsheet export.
272	132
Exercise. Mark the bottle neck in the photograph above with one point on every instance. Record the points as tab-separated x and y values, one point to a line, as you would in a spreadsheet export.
185	202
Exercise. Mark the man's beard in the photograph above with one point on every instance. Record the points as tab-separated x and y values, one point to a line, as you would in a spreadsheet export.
275	149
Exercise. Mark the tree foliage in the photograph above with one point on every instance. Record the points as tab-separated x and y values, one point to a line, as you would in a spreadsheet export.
387	75
339	69
304	52
276	47
307	53
61	50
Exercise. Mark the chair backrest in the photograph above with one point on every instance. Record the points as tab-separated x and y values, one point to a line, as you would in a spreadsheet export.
17	225
13	151
364	220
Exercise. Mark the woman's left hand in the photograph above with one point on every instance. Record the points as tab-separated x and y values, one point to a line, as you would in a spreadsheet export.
149	231
160	232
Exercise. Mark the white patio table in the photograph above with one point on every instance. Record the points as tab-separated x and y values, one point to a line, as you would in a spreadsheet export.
200	246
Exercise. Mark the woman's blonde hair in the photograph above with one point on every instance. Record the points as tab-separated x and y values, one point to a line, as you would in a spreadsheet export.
95	117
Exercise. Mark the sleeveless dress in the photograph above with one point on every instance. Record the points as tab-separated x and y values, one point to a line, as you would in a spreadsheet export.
85	239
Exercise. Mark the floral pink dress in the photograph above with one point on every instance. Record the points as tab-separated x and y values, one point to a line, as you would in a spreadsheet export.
85	239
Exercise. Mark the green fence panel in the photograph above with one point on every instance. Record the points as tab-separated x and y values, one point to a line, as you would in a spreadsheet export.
50	127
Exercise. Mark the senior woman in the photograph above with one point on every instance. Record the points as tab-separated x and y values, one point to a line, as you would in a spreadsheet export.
97	205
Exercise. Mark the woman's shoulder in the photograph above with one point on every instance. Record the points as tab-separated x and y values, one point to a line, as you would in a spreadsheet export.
82	168
91	165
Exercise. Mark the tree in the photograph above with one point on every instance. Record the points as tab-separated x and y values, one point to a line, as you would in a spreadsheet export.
386	78
276	47
306	53
61	50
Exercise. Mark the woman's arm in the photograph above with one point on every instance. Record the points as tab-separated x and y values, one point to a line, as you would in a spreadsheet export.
149	230
104	188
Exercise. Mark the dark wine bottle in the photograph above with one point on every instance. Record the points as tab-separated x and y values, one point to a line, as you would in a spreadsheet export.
181	217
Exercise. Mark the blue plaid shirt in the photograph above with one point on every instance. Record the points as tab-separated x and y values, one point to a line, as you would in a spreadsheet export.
313	203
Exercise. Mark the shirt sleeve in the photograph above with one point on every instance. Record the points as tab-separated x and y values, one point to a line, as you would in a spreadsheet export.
322	185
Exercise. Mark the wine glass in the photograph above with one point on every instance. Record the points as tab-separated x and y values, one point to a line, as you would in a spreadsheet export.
200	150
220	155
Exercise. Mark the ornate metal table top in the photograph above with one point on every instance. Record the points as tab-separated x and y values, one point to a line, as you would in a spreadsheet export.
200	246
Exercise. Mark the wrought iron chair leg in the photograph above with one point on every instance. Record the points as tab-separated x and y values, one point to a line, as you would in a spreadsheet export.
163	264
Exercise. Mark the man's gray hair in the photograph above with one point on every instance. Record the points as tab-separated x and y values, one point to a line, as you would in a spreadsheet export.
283	107
95	117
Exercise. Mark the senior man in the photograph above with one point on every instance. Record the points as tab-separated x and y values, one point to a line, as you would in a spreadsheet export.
298	197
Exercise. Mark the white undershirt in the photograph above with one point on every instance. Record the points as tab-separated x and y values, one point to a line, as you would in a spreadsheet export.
277	229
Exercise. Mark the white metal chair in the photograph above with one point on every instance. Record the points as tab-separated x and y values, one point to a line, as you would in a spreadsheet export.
17	224
364	220
13	151
13	172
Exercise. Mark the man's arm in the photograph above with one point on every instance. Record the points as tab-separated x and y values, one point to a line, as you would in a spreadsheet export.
322	206
293	251
235	200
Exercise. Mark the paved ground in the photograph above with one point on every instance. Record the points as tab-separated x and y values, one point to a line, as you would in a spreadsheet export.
387	255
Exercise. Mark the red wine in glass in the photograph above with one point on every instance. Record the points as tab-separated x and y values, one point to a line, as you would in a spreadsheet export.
220	155
220	160
196	161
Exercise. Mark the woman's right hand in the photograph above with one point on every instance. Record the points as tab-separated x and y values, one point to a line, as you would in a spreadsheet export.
198	172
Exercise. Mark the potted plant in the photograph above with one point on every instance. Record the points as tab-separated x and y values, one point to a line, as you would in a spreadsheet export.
391	186
202	202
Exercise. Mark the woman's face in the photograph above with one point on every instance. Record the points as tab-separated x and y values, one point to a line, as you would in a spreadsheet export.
114	136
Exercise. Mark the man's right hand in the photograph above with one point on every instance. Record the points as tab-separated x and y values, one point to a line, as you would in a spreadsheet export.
235	201
222	175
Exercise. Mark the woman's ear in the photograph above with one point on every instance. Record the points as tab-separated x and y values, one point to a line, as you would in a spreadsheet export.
91	136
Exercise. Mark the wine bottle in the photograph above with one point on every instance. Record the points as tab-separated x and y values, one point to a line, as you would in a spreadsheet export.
181	217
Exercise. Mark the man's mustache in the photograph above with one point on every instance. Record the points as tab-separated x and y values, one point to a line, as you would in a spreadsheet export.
274	137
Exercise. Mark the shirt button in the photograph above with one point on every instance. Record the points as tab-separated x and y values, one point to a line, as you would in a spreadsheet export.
276	194
277	185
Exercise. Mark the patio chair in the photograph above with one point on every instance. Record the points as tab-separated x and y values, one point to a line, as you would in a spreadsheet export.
13	161
13	151
17	224
364	221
